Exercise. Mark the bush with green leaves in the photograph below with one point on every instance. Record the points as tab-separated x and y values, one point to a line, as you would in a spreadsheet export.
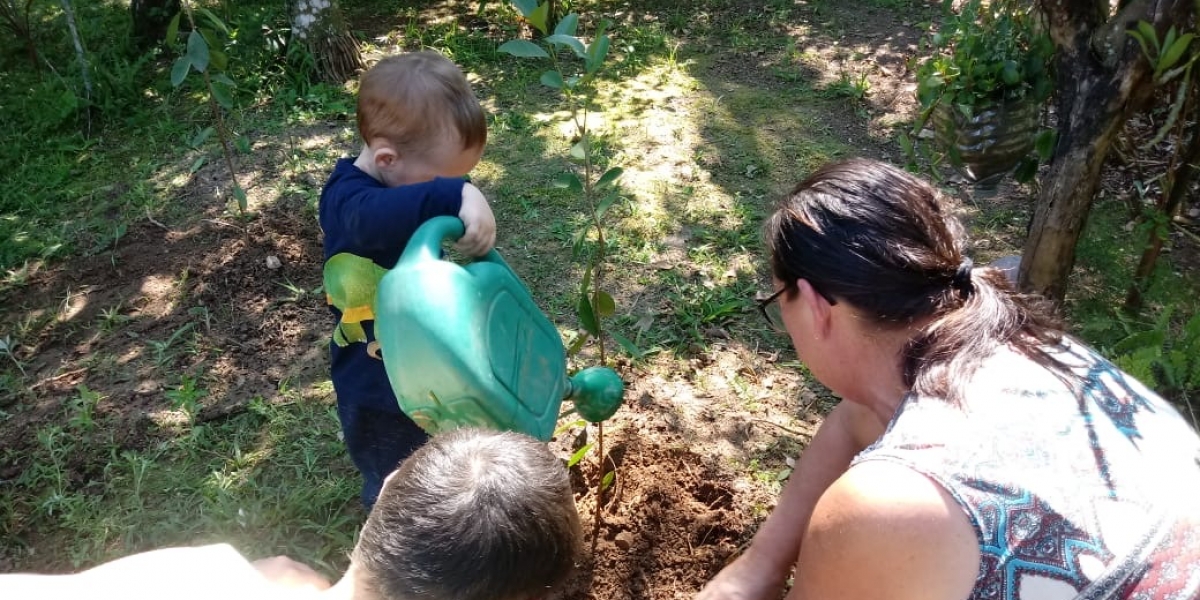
1165	354
986	53
986	72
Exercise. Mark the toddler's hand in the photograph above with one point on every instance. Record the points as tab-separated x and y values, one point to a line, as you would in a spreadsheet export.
480	224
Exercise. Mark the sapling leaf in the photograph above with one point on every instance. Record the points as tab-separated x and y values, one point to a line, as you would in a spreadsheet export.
587	317
223	78
626	344
221	94
578	344
213	19
201	137
567	25
569	41
218	59
196	164
1167	42
1174	52
1147	31
597	51
523	49
179	70
561	429
525	6
606	203
586	283
579	454
577	243
538	16
240	195
608	480
173	29
579	150
197	51
569	181
1141	40
609	176
605	305
552	79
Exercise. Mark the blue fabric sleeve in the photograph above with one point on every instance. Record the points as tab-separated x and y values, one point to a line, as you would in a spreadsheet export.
362	216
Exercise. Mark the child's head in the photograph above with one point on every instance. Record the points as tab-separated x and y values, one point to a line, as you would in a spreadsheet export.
471	515
419	106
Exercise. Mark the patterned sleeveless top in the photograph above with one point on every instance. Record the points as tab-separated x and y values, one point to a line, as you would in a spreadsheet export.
1073	496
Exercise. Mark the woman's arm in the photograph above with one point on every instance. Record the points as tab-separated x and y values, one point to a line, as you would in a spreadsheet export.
760	572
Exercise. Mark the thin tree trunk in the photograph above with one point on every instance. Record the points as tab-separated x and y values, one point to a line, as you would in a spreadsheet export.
1173	196
85	70
1102	79
1068	188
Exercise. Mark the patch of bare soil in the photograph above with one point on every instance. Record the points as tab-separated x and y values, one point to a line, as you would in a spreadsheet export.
202	301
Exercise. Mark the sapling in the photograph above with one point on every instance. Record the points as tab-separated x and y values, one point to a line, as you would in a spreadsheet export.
205	56
599	191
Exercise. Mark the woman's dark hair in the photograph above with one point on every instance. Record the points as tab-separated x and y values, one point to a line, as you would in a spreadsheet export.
884	241
471	515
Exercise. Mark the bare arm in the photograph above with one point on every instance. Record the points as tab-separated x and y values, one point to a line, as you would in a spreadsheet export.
760	573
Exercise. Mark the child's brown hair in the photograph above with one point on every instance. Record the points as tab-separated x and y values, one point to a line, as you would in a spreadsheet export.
412	99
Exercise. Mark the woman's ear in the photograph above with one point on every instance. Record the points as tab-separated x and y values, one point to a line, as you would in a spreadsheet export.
818	308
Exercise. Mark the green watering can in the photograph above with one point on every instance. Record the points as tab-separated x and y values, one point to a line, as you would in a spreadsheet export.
467	345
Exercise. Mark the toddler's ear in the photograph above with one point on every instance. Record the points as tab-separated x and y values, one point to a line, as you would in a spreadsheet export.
385	155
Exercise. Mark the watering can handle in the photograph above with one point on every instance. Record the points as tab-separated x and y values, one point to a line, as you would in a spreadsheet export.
426	242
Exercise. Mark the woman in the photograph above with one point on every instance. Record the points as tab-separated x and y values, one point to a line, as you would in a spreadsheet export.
980	452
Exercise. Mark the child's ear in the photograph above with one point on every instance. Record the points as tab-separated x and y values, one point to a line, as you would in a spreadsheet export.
385	155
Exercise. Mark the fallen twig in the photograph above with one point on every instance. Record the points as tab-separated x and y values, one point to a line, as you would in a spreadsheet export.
791	431
1182	229
56	378
220	222
151	219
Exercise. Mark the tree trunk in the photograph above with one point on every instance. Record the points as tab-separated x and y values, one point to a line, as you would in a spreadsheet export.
1102	78
319	26
1088	122
15	18
150	21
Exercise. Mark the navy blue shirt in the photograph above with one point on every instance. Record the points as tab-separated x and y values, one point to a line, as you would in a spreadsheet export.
361	216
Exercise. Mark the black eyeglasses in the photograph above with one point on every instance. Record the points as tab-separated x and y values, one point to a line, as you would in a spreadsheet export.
770	309
769	306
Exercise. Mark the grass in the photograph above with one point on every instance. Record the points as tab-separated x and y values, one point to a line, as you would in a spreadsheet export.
243	481
712	111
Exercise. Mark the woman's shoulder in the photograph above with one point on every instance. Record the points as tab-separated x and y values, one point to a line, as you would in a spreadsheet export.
885	530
